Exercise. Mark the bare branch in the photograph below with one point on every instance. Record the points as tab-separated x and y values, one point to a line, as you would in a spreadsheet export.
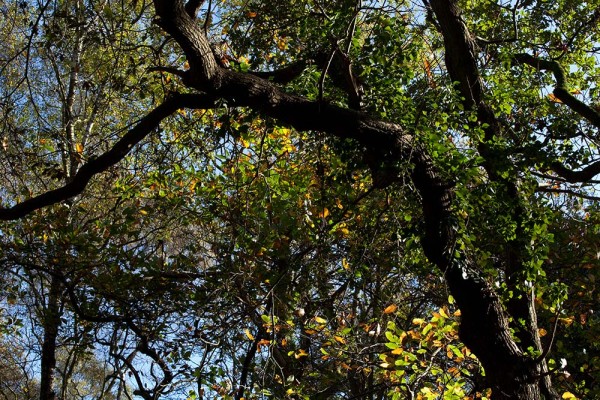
569	192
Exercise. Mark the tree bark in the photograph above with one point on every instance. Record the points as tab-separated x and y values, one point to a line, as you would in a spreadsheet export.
51	324
518	376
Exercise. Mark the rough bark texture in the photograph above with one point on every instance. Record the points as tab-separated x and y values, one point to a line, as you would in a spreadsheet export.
51	325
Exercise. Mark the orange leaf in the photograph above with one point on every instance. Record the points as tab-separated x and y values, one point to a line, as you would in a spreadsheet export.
300	353
263	342
324	213
390	309
554	99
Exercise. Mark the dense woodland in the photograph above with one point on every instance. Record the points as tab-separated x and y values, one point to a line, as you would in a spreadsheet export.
260	199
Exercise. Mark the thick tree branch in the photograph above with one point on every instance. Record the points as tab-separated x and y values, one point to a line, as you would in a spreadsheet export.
100	164
569	192
571	176
563	94
174	19
169	70
560	91
284	75
193	6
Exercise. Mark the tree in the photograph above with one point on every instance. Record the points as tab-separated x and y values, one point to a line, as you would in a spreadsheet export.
462	135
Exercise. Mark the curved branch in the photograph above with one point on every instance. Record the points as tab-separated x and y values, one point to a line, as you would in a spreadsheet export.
560	91
571	176
100	164
175	20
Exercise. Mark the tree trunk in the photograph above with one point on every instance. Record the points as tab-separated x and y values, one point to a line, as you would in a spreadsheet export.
512	373
51	324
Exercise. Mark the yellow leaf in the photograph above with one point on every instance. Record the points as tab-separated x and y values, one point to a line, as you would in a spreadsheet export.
443	313
324	213
542	332
79	148
340	339
250	336
345	264
288	147
397	351
567	320
320	320
568	395
418	321
414	334
282	44
390	309
403	336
